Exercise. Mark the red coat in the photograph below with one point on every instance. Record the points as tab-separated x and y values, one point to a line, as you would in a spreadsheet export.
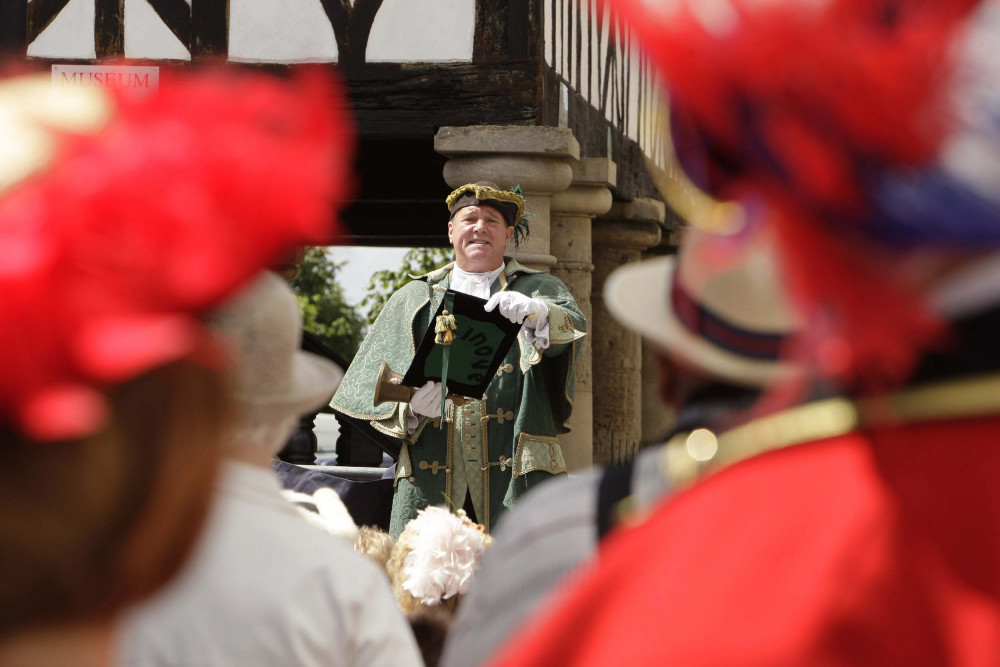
881	548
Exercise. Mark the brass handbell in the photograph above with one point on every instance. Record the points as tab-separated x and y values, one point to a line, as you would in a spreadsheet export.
389	387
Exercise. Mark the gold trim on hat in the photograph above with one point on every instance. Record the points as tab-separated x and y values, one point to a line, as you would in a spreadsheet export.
688	456
482	192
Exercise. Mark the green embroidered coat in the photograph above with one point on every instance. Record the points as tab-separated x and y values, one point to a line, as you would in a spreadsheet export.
497	447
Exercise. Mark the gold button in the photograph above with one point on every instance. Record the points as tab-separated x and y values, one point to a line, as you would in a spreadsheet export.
468	448
412	479
554	465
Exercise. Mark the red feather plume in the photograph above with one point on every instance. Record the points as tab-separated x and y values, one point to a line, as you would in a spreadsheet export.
130	232
805	100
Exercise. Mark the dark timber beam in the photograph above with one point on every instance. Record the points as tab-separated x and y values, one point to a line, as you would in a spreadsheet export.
209	28
507	30
109	28
40	15
592	129
14	27
352	25
176	15
391	99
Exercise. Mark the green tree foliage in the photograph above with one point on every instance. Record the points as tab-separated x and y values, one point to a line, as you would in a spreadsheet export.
321	300
417	261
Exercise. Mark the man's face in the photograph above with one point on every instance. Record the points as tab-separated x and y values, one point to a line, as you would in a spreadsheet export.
479	235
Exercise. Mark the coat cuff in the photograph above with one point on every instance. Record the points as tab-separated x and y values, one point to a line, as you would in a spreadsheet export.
396	424
562	329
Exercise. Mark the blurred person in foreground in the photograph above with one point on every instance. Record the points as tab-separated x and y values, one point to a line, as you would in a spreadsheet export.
862	529
122	220
717	318
265	587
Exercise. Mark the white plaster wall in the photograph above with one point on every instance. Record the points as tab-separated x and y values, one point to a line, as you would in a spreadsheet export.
585	36
147	36
560	54
632	56
566	43
70	35
547	19
594	92
661	134
287	31
603	37
423	31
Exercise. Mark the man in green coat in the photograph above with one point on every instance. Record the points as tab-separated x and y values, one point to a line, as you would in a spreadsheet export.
490	450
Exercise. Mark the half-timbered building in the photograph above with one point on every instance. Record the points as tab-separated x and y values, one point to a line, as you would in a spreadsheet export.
550	94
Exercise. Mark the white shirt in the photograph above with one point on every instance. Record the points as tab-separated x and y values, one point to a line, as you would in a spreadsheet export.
474	284
264	588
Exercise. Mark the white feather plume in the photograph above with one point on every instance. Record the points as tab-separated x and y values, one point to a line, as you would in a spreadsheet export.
444	551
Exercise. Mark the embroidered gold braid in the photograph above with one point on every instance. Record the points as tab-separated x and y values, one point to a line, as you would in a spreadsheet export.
485	449
449	458
684	460
482	192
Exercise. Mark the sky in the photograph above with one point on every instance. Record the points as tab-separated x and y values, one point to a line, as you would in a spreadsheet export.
362	262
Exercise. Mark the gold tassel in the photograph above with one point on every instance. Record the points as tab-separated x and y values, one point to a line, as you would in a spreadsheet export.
444	328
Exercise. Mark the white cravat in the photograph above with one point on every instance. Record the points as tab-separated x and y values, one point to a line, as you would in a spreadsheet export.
474	284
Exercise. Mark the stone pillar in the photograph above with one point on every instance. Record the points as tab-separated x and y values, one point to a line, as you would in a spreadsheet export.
572	212
536	158
619	237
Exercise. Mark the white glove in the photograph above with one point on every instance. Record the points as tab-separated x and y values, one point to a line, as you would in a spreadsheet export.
426	401
519	308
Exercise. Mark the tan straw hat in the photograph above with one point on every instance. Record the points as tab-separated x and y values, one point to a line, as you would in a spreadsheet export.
720	306
272	377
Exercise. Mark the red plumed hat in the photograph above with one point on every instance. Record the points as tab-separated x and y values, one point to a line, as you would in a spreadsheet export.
123	218
829	119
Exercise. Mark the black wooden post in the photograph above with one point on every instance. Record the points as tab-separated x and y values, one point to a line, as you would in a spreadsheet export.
109	28
352	25
507	30
14	27
354	449
209	28
301	446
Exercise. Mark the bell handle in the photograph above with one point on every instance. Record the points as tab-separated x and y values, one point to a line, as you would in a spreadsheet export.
389	388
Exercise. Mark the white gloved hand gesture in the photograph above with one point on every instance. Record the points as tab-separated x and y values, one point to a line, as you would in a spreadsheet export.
426	401
519	308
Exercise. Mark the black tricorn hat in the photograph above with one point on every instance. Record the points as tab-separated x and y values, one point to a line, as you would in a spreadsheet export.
509	203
